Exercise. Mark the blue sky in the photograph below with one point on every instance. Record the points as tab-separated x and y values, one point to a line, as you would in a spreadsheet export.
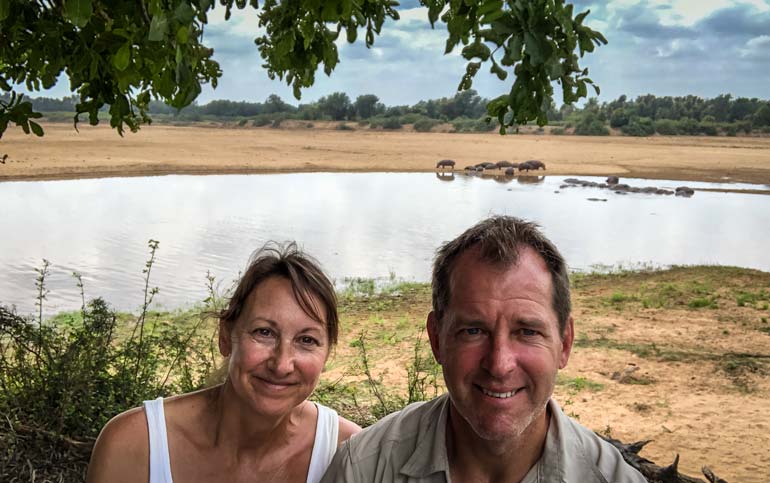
700	47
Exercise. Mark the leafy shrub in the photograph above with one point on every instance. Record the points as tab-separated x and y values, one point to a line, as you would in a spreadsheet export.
411	118
639	126
708	128
559	131
61	382
242	122
424	125
343	127
666	127
260	121
591	125
392	123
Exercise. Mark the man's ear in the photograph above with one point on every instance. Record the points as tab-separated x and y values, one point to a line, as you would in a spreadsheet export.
434	336
566	343
225	339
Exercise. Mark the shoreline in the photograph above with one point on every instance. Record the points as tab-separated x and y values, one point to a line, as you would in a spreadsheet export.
159	150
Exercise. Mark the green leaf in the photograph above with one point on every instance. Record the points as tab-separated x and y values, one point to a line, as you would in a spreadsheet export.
182	34
36	128
476	50
122	57
4	85
513	51
499	71
488	6
184	13
158	28
536	47
5	10
78	11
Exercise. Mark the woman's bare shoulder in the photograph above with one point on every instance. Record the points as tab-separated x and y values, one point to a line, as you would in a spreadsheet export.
347	429
121	452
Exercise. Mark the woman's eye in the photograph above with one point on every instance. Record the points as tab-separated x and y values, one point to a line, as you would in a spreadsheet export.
306	340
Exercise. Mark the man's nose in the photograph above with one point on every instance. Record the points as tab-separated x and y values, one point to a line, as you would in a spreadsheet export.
281	361
501	357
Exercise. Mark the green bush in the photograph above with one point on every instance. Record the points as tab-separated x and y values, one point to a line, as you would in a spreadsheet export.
666	127
392	123
687	126
424	124
708	128
639	126
559	131
411	118
343	127
591	125
62	380
260	121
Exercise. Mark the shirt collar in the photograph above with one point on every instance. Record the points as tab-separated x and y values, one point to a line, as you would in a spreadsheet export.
430	453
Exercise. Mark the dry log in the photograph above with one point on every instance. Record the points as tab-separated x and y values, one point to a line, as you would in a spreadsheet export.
653	472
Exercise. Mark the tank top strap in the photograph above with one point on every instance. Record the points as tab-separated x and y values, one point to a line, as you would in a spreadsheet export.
325	445
160	464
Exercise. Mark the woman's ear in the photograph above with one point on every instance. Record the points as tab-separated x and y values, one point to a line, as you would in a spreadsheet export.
225	339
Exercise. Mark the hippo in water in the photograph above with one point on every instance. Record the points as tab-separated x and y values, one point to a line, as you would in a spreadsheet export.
445	163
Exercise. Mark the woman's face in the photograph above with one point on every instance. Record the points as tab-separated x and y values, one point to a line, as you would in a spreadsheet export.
277	351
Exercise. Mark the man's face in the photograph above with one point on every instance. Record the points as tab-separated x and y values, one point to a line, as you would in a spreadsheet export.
499	344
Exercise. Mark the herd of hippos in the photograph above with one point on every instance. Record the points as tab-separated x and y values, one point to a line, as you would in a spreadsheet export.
510	168
612	182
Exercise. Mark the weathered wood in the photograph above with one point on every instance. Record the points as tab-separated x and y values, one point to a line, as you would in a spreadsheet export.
653	472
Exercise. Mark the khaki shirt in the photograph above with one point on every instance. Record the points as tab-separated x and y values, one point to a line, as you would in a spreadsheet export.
410	446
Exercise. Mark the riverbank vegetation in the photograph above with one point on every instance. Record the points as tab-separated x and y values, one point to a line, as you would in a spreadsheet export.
667	355
466	112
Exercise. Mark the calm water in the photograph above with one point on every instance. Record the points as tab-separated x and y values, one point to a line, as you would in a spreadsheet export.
357	225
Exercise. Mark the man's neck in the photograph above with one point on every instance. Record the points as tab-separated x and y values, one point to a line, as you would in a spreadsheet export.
473	459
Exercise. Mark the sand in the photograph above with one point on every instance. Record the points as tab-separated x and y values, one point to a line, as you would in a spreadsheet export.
64	153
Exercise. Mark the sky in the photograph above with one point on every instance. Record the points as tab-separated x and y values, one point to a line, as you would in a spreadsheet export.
665	48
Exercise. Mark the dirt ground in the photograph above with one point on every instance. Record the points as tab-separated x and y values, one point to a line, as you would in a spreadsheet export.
162	149
680	357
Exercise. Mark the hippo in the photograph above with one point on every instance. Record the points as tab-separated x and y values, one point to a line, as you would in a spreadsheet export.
684	191
531	164
503	164
445	163
509	171
613	180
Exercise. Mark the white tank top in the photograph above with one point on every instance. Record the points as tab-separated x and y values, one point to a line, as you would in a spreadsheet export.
324	446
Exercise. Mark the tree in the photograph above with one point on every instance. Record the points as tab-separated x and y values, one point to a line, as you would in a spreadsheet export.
336	105
366	106
124	54
762	116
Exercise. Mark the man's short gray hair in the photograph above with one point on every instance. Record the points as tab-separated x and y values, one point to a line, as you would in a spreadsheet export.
499	239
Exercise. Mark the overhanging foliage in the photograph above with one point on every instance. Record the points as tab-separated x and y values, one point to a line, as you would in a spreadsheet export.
126	53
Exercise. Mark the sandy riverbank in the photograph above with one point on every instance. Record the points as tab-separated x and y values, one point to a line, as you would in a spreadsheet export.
64	153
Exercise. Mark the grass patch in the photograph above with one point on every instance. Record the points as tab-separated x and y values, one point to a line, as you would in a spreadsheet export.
578	384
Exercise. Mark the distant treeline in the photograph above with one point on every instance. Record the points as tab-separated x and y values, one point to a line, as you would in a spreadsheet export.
643	116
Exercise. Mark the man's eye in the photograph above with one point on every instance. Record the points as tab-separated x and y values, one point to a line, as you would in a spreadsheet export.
528	332
472	331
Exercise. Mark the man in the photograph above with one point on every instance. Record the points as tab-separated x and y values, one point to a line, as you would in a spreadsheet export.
501	329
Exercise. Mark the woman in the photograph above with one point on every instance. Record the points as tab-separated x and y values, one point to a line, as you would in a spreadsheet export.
258	425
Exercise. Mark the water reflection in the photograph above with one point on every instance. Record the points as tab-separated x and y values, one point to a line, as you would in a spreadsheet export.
357	225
